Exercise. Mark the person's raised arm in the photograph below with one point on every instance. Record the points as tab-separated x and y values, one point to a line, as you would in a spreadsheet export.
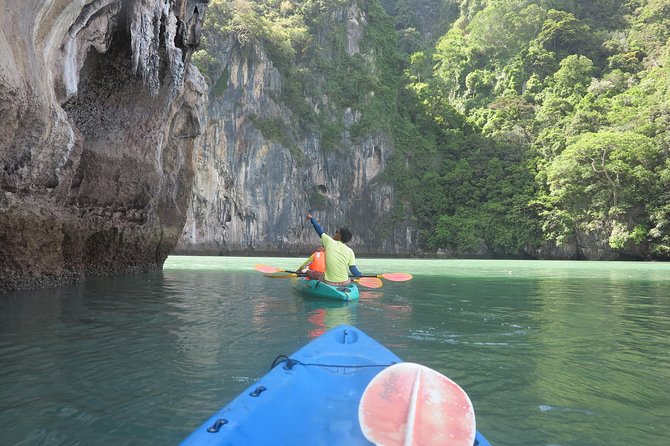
317	226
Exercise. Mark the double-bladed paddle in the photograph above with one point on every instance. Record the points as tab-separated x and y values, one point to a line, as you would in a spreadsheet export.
278	273
393	277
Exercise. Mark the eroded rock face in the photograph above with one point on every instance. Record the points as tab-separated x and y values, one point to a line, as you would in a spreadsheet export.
251	192
100	112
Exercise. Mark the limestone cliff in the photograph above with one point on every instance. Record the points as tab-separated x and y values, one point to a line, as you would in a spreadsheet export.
252	189
100	112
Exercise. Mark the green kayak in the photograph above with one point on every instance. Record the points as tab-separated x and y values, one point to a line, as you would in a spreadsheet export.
314	288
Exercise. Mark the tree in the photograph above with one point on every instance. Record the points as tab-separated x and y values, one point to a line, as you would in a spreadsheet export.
601	177
563	34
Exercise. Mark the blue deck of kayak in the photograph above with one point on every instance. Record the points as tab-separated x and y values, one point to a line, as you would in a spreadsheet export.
312	397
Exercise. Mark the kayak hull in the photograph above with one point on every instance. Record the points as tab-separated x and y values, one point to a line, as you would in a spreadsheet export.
321	290
310	398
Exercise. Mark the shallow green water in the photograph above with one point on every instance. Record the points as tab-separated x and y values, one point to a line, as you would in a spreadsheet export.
551	353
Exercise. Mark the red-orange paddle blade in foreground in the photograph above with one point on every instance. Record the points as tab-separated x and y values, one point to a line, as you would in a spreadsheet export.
410	405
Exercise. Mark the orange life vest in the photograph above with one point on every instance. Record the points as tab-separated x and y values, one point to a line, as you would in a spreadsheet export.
318	262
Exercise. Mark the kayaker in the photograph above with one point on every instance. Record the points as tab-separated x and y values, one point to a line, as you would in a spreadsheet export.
340	259
315	262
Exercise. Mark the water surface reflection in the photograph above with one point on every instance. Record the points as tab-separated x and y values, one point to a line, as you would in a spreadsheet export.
564	353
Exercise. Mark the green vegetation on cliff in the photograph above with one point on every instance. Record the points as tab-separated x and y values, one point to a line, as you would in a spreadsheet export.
569	101
321	77
515	123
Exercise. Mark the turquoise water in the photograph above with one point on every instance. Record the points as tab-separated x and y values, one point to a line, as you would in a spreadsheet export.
551	353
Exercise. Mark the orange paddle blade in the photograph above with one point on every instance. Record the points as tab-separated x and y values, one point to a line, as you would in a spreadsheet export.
369	282
281	275
410	405
267	269
396	277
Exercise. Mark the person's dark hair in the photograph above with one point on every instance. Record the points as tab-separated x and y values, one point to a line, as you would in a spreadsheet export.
345	235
